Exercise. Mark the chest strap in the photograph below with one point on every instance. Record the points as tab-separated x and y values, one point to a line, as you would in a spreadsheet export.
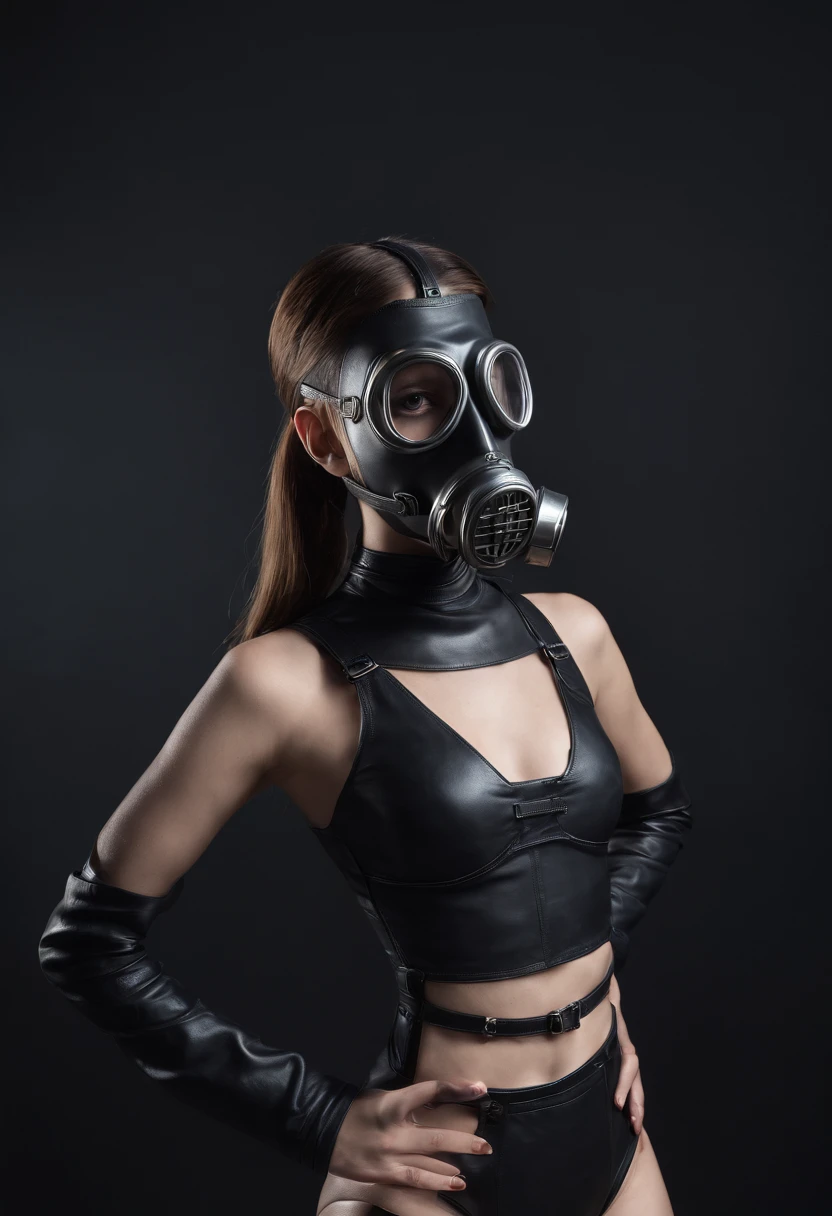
568	1017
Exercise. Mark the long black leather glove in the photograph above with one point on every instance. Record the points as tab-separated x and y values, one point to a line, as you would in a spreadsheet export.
641	850
93	950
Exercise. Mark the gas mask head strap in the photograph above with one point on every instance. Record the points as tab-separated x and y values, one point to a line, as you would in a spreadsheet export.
422	273
428	287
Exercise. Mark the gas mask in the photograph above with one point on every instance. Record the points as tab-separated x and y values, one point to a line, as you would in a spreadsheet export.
431	401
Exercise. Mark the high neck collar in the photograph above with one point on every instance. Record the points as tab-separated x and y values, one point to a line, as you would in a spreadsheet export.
417	578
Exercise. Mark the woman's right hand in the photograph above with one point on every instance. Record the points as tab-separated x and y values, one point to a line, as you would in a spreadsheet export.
381	1142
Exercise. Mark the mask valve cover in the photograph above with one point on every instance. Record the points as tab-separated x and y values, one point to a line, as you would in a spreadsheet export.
492	514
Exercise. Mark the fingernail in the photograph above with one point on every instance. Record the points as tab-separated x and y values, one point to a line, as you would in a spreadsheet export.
619	1102
458	1183
482	1146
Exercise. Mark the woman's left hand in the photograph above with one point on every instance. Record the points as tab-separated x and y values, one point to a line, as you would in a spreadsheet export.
629	1088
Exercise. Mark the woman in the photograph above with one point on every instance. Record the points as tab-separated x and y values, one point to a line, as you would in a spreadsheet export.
476	761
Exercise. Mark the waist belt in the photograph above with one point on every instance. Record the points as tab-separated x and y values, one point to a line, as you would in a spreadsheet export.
556	1022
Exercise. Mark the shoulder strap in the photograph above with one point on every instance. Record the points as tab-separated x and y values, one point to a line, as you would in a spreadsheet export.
547	637
537	623
324	634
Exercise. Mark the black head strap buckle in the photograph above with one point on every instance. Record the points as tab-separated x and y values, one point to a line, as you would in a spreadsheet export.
567	1018
359	667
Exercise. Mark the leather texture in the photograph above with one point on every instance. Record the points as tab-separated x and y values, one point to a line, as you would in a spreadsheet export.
455	486
557	1021
560	1147
644	845
93	951
422	273
464	874
455	326
423	614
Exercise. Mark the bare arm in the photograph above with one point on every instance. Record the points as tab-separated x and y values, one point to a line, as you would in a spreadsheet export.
262	717
645	760
229	744
654	813
236	733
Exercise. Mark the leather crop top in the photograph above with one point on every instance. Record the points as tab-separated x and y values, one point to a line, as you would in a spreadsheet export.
464	874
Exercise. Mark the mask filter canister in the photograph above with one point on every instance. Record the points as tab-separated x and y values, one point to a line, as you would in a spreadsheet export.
491	514
549	523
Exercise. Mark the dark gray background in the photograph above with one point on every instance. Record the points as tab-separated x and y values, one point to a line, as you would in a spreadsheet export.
641	194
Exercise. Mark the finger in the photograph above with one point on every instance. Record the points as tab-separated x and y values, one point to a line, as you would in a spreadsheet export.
412	1139
626	1076
458	1089
635	1105
397	1103
432	1164
424	1179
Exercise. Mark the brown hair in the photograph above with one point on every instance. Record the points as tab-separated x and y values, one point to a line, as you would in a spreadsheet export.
303	544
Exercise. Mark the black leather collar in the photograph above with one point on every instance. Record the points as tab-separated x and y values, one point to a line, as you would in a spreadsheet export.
415	577
409	611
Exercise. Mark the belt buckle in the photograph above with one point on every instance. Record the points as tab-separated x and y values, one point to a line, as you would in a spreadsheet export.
573	1008
490	1026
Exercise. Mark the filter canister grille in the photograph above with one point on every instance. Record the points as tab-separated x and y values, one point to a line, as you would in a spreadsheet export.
504	526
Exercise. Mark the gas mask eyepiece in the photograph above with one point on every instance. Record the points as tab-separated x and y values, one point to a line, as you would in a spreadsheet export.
430	401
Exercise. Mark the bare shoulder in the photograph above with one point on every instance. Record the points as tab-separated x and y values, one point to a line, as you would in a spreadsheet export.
278	670
582	627
580	624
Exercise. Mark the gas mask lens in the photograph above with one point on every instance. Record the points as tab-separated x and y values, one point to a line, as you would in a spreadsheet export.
505	386
421	398
417	399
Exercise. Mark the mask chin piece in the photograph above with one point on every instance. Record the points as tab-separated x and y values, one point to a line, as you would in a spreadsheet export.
548	529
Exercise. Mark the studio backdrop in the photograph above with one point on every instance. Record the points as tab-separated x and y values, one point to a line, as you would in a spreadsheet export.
640	195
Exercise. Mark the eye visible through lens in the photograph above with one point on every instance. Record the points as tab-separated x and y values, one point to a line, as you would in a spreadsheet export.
421	398
508	386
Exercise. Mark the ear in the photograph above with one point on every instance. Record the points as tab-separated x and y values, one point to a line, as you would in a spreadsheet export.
320	440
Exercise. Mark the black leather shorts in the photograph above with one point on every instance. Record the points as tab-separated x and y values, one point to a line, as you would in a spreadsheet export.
563	1147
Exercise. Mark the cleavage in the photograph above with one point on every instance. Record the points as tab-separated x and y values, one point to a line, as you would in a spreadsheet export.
512	713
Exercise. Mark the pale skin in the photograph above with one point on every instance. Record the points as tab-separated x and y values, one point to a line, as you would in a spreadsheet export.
277	712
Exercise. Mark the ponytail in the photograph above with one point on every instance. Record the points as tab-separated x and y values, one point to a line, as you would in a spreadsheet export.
304	540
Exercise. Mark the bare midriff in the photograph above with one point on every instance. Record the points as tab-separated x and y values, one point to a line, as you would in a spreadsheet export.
509	1062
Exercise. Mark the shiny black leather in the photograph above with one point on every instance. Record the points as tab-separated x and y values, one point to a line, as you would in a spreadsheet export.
562	1147
419	613
464	874
556	1021
642	848
426	281
441	489
92	949
456	326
